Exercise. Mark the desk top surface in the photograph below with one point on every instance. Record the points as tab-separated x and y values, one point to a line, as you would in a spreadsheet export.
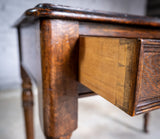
65	12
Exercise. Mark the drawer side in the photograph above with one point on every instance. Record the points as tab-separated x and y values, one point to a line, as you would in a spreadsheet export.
108	66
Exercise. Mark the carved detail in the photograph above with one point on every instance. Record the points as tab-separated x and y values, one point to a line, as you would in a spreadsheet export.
148	97
27	102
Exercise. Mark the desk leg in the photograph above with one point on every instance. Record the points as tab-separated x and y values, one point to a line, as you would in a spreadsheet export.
66	137
59	75
146	119
27	101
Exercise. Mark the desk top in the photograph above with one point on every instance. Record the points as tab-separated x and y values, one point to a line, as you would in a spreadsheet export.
65	12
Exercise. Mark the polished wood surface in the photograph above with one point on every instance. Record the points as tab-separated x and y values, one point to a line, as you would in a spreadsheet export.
148	96
27	102
27	95
117	30
59	75
45	10
71	53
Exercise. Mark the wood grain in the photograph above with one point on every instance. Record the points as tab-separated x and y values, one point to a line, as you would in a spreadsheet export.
118	59
30	58
117	30
148	86
59	74
27	101
108	66
66	12
27	95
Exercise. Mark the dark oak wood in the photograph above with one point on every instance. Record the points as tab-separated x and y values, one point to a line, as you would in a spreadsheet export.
30	47
117	30
49	44
148	96
27	96
64	12
59	75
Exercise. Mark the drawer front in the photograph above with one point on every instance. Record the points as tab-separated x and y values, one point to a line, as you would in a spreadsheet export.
148	94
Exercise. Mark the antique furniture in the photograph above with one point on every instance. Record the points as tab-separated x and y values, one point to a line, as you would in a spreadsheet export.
116	56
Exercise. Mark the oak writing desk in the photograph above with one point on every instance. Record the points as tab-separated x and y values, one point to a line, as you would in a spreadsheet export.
116	56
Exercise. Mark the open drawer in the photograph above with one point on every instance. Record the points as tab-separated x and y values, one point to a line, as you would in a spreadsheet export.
125	72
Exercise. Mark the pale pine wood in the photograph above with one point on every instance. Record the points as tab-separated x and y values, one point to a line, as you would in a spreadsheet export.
108	66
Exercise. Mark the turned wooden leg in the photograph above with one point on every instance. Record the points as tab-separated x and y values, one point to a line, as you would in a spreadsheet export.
146	119
27	96
27	102
59	75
